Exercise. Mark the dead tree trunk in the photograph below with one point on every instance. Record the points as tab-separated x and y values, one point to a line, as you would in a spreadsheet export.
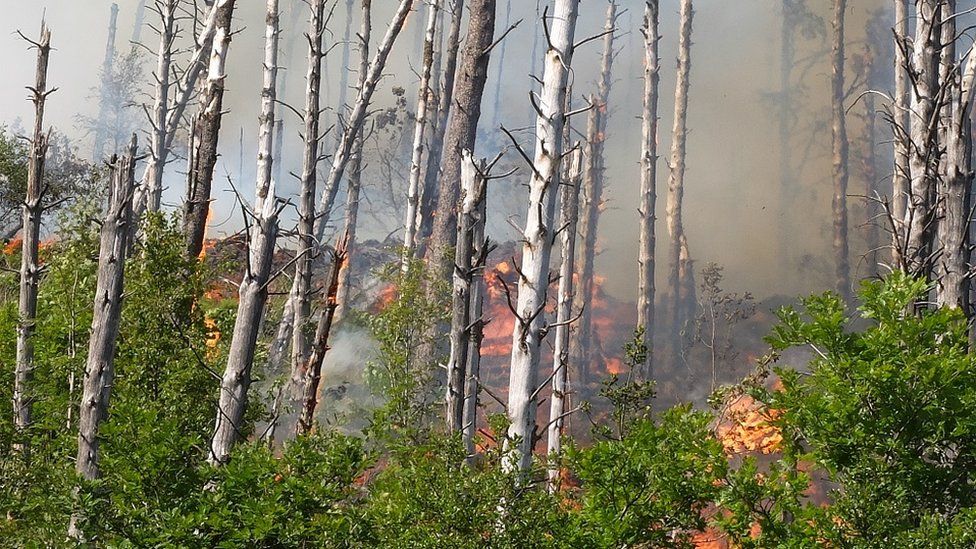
530	326
100	365
424	96
157	147
496	110
568	215
680	267
99	370
840	155
466	264
476	327
140	19
648	186
900	121
429	197
462	132
105	96
253	291
30	269
869	169
356	118
592	199
923	135
207	133
313	367
355	170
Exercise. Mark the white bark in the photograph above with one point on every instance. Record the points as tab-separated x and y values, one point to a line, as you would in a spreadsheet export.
900	175
648	184
157	147
530	327
476	327
424	95
568	215
356	118
841	154
253	291
30	269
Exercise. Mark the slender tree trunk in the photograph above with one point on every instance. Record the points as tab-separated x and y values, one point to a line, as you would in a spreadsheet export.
424	96
105	97
900	176
496	111
301	294
869	172
430	198
923	132
158	144
344	64
476	329
137	23
840	155
30	269
355	171
593	183
356	118
100	366
253	291
462	132
530	327
207	133
568	215
648	186
680	267
787	59
313	366
470	241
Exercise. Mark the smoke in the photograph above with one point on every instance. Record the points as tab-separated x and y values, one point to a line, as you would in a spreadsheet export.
731	204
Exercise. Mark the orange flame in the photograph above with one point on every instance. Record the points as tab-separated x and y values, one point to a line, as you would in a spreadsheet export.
746	427
207	244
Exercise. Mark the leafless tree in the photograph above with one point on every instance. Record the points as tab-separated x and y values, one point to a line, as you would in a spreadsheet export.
900	175
105	97
648	183
160	110
840	154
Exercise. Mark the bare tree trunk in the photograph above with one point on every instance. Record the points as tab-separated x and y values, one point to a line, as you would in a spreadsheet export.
568	215
648	186
496	110
207	134
344	65
462	132
30	269
105	100
530	326
301	294
140	19
593	183
475	332
869	172
901	173
100	366
923	124
424	95
355	171
840	155
680	267
470	221
313	367
158	145
253	291
429	197
356	118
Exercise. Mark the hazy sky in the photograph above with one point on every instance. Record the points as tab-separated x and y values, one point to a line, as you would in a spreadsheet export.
733	175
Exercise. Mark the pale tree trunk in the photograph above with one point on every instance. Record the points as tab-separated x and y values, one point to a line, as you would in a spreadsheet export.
104	100
299	300
594	174
568	215
955	192
530	326
840	155
207	134
424	95
476	332
869	172
429	197
293	21
679	273
496	110
648	186
100	365
344	65
356	118
158	144
312	370
138	22
923	132
355	171
466	264
472	74
900	175
253	291
30	269
152	176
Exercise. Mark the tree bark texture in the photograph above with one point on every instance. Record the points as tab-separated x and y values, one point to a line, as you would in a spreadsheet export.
160	109
901	140
648	185
840	155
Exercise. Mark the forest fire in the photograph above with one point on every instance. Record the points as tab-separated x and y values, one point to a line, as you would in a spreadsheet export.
746	426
